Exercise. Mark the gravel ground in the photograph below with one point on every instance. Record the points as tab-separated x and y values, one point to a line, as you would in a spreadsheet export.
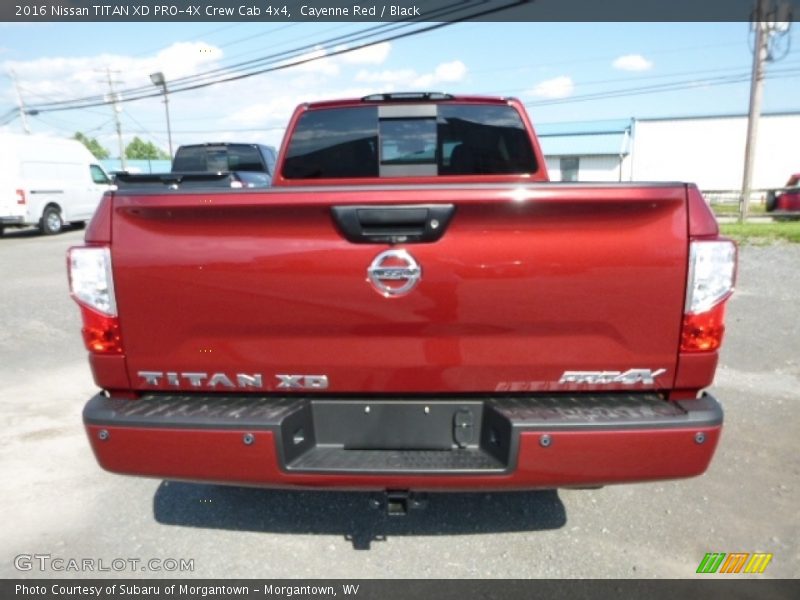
59	502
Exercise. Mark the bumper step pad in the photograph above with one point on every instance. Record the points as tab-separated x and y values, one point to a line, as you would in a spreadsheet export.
469	460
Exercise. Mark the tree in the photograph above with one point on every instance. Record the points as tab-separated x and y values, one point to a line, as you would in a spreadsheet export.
139	149
92	144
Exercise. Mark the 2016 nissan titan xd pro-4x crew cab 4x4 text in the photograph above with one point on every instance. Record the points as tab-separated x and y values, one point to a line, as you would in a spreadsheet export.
411	306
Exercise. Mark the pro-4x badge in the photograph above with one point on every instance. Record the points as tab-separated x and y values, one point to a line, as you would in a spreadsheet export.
629	377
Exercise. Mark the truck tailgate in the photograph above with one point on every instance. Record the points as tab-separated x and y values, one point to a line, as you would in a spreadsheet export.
524	284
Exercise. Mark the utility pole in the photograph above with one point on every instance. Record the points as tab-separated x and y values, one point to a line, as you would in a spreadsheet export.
756	91
20	103
169	127
116	109
771	26
159	80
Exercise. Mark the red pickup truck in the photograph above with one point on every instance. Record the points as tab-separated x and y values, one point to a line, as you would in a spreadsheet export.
787	200
411	306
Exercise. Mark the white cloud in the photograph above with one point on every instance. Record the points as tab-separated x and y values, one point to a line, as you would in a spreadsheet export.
371	55
59	78
255	109
451	71
632	62
423	83
286	90
448	72
279	108
183	58
388	76
558	87
318	62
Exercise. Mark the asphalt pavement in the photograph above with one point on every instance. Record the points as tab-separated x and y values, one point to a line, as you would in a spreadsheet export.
58	502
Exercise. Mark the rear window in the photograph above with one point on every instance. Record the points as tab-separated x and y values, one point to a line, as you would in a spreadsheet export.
338	142
233	157
396	140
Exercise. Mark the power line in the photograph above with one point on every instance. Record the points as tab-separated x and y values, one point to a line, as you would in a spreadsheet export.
29	92
222	130
666	87
8	116
20	102
99	127
205	33
295	57
59	125
142	129
257	35
301	50
144	91
285	42
595	59
634	79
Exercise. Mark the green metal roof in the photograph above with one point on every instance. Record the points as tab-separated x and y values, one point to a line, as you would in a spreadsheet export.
585	138
585	145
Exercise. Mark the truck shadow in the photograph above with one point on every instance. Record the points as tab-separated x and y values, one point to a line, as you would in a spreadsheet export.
28	232
351	514
33	232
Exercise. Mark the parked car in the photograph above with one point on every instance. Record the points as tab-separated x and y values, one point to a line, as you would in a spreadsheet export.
787	199
47	181
252	165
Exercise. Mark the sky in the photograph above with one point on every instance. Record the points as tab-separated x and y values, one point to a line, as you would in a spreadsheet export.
557	69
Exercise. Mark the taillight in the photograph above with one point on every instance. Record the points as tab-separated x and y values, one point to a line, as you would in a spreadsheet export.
101	333
20	196
92	286
712	266
703	332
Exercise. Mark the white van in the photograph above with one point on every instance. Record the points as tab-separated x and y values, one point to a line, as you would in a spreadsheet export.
47	181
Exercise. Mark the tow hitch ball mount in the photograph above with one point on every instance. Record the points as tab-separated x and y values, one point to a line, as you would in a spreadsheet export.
397	503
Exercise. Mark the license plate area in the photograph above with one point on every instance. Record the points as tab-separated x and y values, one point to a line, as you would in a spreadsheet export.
396	435
397	425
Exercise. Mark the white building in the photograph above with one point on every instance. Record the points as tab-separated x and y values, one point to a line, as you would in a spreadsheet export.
705	150
587	151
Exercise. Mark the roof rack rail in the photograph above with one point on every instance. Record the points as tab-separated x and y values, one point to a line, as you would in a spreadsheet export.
406	97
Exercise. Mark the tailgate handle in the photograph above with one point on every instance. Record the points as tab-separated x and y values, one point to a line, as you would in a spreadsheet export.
417	223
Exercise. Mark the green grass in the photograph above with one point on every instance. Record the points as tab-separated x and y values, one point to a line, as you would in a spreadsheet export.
732	209
762	233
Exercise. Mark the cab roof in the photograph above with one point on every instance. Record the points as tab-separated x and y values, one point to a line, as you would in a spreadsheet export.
408	97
